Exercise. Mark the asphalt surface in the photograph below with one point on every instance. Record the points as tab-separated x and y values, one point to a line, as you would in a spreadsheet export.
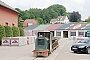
63	52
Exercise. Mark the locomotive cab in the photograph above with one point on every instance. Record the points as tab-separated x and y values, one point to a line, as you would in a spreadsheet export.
41	43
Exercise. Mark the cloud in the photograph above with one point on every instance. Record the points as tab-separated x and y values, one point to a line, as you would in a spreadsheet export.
81	6
26	4
79	1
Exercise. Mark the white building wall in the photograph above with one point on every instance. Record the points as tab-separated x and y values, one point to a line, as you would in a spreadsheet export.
61	33
69	32
66	20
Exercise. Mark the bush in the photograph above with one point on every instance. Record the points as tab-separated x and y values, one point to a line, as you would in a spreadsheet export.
8	31
21	31
16	31
2	33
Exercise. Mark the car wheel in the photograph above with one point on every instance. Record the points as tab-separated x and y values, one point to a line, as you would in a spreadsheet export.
88	50
75	51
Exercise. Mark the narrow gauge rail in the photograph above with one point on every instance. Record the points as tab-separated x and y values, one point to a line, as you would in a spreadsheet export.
39	58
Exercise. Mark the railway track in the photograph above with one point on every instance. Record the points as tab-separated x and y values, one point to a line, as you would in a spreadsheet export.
60	43
39	58
63	45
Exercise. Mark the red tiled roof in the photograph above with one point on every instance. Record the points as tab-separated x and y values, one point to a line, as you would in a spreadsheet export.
31	21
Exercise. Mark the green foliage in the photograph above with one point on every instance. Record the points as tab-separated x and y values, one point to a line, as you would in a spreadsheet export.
87	20
20	24
21	31
8	31
2	33
60	9
16	31
68	15
44	15
75	17
39	20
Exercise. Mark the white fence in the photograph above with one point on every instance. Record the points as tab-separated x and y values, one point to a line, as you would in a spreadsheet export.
77	39
31	39
18	41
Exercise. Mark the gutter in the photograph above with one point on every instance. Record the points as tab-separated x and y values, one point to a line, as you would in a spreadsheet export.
10	9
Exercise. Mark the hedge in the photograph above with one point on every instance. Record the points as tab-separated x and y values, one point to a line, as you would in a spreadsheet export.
21	31
16	31
2	33
8	31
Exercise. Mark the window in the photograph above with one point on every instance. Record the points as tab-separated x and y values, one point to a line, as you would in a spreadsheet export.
12	24
73	33
58	33
80	33
6	24
40	42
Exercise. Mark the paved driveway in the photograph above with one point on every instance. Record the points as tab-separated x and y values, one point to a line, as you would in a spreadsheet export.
63	52
14	52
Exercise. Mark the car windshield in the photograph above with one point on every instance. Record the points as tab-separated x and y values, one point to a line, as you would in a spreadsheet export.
85	40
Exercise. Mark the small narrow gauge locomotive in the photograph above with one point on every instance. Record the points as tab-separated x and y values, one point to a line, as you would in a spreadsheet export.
45	44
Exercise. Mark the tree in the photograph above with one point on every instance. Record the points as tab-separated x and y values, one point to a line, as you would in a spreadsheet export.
2	33
21	31
87	20
39	20
16	31
75	17
8	31
46	14
60	9
52	13
68	15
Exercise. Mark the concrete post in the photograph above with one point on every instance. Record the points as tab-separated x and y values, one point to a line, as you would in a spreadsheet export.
69	34
54	33
50	41
62	34
76	32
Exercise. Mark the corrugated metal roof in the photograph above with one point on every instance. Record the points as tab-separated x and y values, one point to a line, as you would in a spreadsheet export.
86	27
77	26
31	27
82	27
53	27
65	27
41	27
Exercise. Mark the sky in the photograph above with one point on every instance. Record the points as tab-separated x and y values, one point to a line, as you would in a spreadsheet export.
82	6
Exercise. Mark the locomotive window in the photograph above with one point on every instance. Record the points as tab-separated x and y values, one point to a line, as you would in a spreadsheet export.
40	42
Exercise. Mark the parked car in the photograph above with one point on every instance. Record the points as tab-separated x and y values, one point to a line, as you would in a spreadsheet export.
82	46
